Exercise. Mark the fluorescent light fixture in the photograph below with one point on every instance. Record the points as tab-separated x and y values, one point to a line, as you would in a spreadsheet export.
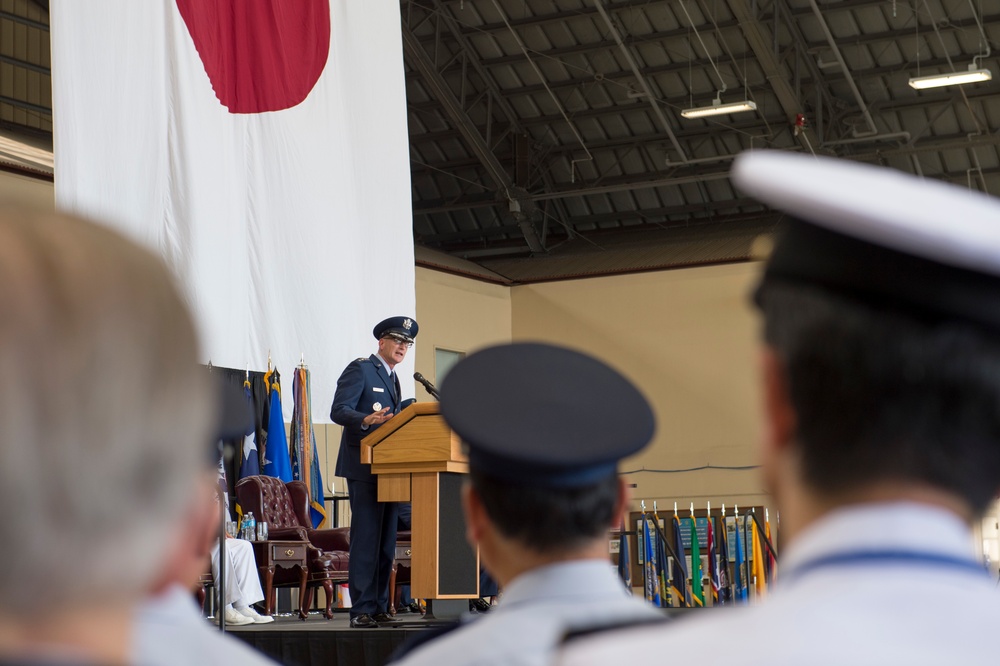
951	79
718	109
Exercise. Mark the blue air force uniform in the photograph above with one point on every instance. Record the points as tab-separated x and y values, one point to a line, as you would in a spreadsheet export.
367	386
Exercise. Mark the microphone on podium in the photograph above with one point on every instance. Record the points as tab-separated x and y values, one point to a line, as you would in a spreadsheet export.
427	385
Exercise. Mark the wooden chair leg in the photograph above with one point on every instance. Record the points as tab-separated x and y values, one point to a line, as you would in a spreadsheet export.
328	588
306	603
392	588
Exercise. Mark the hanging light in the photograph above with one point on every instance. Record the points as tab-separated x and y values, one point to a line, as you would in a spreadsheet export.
973	75
718	108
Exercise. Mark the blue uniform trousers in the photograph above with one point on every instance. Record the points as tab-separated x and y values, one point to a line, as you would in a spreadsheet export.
373	530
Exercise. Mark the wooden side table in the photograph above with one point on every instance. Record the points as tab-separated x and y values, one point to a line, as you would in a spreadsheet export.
286	555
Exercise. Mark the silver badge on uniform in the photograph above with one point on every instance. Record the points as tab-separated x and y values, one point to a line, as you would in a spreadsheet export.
377	406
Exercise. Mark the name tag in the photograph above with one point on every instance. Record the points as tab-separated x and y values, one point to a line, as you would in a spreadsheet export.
378	390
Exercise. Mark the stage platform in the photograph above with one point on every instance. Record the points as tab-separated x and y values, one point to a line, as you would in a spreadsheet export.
320	642
317	641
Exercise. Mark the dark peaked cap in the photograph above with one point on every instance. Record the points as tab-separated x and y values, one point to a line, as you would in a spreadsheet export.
400	328
879	236
536	414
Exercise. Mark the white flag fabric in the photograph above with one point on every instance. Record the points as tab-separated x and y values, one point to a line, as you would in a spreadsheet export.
261	147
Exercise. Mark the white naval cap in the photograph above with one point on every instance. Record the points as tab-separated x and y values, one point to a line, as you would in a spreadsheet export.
879	235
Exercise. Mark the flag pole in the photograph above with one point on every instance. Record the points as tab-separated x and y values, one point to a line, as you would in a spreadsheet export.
763	534
670	549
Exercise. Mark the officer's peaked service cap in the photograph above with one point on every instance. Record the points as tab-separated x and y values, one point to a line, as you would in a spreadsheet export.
540	415
922	247
400	328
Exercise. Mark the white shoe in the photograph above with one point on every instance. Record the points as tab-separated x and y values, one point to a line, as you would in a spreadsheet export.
234	617
256	617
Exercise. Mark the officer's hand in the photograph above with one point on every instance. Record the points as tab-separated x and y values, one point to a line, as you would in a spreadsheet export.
375	418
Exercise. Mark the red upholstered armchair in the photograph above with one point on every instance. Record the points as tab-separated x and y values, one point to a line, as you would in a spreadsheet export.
285	508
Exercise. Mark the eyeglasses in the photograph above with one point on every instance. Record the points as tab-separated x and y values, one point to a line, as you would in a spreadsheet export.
401	343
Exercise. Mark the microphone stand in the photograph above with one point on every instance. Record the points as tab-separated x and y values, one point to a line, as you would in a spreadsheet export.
427	386
223	518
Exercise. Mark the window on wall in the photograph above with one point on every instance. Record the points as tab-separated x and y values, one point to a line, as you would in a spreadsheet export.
444	359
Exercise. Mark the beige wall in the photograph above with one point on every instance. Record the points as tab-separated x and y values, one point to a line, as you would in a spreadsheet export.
459	314
687	338
27	191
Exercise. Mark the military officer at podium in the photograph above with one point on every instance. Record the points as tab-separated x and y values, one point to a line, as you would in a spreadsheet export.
368	396
545	427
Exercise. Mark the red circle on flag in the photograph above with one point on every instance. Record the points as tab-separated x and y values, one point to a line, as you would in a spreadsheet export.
260	56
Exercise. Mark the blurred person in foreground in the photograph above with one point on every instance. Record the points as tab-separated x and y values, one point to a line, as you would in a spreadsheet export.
106	418
170	628
880	375
542	494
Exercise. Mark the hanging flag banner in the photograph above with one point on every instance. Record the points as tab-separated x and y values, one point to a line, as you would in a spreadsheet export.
261	148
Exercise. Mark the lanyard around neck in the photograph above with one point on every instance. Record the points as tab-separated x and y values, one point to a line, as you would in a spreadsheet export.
884	557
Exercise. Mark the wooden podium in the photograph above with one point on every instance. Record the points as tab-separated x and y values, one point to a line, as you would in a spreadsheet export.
418	459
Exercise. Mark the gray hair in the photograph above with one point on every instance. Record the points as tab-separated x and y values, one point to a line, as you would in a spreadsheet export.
105	415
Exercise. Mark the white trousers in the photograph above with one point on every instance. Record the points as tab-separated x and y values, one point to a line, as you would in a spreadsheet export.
242	585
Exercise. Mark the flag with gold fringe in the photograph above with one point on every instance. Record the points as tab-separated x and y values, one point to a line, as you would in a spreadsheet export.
276	462
305	461
249	460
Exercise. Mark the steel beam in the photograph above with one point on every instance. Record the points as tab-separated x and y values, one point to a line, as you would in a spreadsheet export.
759	38
466	127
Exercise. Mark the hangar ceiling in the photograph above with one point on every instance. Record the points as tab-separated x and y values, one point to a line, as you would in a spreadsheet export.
546	136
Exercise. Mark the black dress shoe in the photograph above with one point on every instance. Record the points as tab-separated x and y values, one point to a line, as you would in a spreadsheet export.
480	605
384	618
363	621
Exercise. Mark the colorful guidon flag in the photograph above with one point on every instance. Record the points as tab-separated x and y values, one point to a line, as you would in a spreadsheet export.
697	594
678	573
305	461
722	548
652	585
742	592
276	460
759	567
713	562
